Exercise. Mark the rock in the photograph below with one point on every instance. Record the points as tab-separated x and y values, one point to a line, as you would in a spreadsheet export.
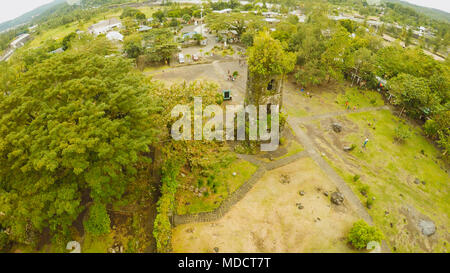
336	127
234	174
301	193
428	228
416	181
386	212
423	182
216	249
190	230
349	148
374	247
285	179
325	193
74	246
299	206
337	198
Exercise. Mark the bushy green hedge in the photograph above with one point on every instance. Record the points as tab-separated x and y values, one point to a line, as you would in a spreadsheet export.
162	229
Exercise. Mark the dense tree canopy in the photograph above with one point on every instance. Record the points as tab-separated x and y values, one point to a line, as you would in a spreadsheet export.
72	125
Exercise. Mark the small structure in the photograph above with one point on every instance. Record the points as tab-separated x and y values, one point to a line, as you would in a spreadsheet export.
181	58
59	50
20	40
189	35
270	14
32	28
222	11
105	26
114	36
144	28
271	20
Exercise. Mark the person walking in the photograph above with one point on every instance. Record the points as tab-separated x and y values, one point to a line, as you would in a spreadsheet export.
365	143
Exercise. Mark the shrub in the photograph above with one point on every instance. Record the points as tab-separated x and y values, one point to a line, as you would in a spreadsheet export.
402	133
364	190
431	128
361	234
162	228
369	201
98	222
5	243
356	177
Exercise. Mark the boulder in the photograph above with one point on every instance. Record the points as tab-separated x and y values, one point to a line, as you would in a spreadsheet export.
285	179
337	198
336	127
349	148
74	247
416	181
374	247
428	228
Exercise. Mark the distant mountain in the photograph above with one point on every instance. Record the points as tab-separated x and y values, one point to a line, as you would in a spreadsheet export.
436	14
27	17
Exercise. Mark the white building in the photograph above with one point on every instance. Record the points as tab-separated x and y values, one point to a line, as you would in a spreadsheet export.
20	40
105	26
114	36
222	11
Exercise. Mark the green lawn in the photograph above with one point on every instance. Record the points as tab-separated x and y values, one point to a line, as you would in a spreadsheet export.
188	203
360	98
389	169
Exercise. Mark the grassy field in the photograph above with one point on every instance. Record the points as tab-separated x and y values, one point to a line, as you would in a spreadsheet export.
188	202
326	99
402	179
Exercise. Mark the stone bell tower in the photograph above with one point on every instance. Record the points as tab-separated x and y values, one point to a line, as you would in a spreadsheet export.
264	90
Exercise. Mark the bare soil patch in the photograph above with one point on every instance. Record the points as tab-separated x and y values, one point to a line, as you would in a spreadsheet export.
268	219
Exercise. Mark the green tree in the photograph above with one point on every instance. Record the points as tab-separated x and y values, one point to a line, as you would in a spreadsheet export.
232	22
132	45
159	15
75	123
334	55
186	18
266	58
413	94
361	234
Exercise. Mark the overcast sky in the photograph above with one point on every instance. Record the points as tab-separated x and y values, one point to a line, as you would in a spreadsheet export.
10	9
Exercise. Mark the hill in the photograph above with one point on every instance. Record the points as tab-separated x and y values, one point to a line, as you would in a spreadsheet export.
27	17
430	12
